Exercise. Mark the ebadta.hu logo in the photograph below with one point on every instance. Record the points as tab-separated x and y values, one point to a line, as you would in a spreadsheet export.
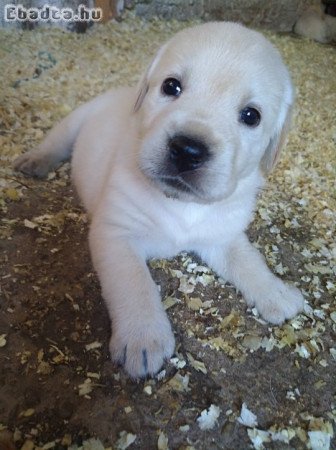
13	13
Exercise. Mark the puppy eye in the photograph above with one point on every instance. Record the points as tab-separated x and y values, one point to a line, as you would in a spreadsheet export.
171	87
250	116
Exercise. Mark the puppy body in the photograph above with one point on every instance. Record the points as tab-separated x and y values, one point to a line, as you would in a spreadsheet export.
125	169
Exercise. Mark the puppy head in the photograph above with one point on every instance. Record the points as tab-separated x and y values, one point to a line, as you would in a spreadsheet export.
213	107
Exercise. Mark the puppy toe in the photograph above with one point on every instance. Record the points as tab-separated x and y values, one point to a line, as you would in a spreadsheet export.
280	303
32	164
144	352
145	360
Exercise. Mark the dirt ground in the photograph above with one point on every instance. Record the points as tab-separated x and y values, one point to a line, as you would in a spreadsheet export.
259	386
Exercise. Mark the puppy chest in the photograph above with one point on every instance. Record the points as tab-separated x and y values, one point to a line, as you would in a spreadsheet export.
191	229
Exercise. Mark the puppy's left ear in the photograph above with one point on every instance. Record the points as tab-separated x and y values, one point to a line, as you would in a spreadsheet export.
278	140
143	85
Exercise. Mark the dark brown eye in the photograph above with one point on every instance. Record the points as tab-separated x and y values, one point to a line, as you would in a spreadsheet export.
250	116
171	87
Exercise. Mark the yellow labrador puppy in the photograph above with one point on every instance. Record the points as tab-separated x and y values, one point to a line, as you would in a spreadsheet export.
176	164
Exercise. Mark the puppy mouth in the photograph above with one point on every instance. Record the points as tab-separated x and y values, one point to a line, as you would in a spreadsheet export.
177	184
186	186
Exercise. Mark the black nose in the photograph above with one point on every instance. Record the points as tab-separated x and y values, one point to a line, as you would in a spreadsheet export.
187	153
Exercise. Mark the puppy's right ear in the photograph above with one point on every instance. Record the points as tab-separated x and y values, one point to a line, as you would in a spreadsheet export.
142	91
143	85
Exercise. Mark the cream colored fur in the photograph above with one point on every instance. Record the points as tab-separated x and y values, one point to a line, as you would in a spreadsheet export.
120	142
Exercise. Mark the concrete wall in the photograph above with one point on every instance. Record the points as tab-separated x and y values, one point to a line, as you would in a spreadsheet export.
278	15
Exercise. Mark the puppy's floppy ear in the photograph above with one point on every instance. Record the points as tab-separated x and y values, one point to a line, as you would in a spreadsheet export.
279	138
143	85
142	91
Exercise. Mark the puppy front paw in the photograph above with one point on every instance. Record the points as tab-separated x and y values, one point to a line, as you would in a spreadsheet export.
278	301
33	164
141	347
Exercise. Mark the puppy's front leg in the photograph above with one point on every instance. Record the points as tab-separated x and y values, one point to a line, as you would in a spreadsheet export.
141	333
244	266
